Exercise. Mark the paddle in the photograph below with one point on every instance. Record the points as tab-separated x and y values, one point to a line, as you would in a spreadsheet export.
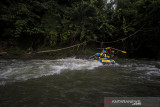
119	50
113	49
105	48
91	56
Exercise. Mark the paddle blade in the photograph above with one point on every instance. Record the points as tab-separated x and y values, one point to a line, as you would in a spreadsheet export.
108	48
123	51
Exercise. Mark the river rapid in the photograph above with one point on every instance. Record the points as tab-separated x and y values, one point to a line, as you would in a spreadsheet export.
72	82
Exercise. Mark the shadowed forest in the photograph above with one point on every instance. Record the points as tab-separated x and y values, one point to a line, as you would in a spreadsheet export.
131	25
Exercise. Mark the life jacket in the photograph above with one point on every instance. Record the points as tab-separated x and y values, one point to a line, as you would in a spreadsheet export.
98	54
112	55
103	55
96	58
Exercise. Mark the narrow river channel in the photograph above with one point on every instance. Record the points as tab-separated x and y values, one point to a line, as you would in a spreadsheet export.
72	82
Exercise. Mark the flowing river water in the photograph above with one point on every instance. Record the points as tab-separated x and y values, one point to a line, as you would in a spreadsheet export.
72	82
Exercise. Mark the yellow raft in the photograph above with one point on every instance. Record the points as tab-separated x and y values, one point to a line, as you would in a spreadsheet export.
106	60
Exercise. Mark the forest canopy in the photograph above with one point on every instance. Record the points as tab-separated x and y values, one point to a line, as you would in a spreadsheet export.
51	23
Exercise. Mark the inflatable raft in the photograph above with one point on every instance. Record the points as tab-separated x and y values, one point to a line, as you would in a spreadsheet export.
106	60
107	55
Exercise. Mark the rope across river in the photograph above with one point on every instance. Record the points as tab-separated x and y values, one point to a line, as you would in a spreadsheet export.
121	39
63	48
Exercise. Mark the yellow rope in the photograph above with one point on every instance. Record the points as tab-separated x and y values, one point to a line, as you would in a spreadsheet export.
62	48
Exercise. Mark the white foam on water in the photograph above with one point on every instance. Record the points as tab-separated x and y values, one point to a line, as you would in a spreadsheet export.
18	70
2	82
140	69
146	71
154	73
15	70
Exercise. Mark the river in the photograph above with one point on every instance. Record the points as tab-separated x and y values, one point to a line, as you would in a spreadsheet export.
72	82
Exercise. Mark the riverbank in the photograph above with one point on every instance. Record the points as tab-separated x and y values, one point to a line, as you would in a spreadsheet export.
78	53
21	54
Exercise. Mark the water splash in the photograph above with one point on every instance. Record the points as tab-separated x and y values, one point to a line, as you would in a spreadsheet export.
18	70
141	69
15	70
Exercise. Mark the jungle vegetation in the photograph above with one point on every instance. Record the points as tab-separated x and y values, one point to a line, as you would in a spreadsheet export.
37	24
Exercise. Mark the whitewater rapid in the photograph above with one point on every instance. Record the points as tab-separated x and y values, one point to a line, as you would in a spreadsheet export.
14	70
73	81
21	70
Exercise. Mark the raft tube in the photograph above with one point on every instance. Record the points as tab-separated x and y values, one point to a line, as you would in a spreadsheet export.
104	60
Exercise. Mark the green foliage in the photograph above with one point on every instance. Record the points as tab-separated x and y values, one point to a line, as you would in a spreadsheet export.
54	23
124	26
14	51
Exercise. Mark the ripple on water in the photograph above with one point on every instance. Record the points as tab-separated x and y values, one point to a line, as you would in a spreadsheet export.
15	70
